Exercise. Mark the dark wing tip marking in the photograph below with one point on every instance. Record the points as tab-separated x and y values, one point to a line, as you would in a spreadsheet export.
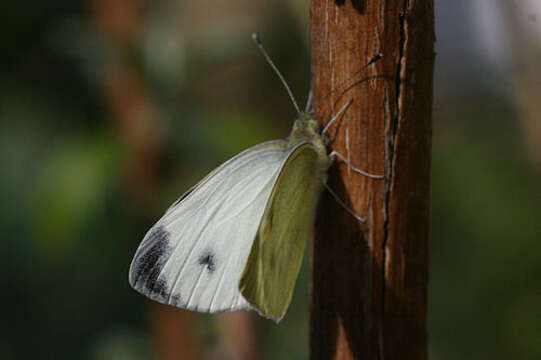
148	263
176	300
208	259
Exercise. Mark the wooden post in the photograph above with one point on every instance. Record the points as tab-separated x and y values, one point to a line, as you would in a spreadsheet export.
369	280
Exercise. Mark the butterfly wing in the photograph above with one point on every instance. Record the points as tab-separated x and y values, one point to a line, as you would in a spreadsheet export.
275	259
194	255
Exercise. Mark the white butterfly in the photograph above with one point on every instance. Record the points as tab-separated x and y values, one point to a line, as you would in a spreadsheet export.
235	241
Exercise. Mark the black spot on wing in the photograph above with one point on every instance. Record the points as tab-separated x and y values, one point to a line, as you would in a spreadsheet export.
149	263
208	259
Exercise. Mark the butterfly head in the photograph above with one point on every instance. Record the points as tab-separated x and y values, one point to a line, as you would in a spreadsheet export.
307	125
306	129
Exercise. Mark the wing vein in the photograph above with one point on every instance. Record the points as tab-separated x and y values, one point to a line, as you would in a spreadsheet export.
218	216
220	282
216	209
194	289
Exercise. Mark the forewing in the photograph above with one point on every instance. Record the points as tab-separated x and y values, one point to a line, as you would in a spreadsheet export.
194	255
269	277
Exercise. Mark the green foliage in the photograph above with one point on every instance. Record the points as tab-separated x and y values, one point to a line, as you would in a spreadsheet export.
73	183
484	256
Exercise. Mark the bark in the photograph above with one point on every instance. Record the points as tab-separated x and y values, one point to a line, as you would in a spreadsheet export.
369	280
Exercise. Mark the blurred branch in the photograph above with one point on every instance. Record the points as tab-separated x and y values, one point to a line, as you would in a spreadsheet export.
527	77
140	126
238	336
369	285
175	333
129	101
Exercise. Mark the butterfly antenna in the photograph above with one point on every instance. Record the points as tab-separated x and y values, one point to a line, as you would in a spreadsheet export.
335	117
257	41
373	60
309	101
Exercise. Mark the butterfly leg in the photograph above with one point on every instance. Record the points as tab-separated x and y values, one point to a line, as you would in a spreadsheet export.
335	117
341	203
335	154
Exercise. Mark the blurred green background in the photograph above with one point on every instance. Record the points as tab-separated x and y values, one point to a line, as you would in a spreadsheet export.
109	110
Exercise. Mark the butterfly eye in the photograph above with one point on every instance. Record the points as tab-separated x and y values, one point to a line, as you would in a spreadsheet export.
314	125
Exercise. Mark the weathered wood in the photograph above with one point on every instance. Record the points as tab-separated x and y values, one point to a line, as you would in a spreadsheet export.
369	280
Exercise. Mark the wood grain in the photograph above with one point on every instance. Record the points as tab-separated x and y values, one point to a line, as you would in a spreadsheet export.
369	280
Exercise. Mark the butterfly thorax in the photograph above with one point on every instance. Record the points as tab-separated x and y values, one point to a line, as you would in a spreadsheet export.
306	130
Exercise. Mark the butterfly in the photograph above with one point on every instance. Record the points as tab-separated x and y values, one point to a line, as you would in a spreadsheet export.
236	240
